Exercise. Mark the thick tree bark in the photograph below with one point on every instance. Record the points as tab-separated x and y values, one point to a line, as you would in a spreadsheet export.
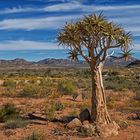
99	113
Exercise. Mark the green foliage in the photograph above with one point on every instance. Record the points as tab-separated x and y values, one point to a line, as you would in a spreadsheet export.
120	83
10	86
50	111
66	87
58	106
8	112
35	136
52	107
37	90
16	123
9	83
30	90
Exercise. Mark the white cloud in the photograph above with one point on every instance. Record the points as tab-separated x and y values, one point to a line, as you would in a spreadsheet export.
27	45
36	23
16	10
69	6
36	45
59	21
137	46
87	8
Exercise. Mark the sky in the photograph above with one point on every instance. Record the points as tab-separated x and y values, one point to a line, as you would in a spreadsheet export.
34	24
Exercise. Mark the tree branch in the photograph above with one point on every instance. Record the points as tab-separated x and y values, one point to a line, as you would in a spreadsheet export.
81	53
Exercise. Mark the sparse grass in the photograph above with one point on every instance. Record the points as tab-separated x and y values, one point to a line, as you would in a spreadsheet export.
66	87
16	123
9	83
8	112
73	112
50	111
52	86
59	106
35	136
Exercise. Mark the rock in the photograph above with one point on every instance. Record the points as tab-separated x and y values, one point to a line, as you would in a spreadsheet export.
85	122
84	115
88	130
74	123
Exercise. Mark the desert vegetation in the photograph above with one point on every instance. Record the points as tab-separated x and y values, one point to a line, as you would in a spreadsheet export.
40	106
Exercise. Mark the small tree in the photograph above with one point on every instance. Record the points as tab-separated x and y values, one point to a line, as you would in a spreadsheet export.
96	35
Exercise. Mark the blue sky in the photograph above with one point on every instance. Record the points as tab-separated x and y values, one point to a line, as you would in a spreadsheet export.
34	24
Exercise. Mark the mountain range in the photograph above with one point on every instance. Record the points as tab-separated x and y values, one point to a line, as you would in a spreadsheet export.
68	63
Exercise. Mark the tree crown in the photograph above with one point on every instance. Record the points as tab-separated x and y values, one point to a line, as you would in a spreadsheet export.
95	34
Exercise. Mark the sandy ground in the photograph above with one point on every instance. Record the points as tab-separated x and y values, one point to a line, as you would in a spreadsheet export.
56	130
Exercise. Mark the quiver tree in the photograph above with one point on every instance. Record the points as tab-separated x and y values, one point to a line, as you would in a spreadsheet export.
96	35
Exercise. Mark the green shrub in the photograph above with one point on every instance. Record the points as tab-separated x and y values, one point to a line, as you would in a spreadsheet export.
35	136
59	106
10	86
9	83
50	111
35	90
66	87
7	112
16	123
51	108
30	90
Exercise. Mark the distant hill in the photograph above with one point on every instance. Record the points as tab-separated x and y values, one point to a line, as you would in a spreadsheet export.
110	62
118	62
135	63
15	62
62	62
65	62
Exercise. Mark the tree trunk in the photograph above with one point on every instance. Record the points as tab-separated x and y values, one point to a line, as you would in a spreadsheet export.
99	113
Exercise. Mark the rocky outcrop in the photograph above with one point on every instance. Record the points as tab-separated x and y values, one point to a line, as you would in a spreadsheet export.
84	115
74	123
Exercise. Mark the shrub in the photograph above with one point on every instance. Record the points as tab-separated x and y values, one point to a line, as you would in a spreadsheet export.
50	111
59	106
66	87
35	136
35	90
51	108
9	83
9	92
30	90
16	123
8	111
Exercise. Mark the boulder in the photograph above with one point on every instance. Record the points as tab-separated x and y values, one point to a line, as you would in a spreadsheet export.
74	123
85	122
84	115
88	130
